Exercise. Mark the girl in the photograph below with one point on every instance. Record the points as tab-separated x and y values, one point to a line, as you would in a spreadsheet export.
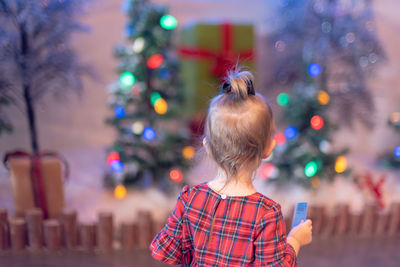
226	222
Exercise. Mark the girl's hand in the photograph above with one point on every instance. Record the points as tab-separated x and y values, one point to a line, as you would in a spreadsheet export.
302	233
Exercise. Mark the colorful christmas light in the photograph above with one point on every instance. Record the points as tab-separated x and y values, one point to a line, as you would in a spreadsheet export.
119	111
176	175
323	97
168	22
283	99
127	79
267	170
311	169
137	127
161	106
340	164
396	152
149	133
155	61
117	166
188	152
138	45
290	132
113	156
314	69
280	138
120	192
154	97
317	122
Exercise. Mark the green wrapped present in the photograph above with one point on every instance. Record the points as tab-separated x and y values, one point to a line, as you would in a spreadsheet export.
207	51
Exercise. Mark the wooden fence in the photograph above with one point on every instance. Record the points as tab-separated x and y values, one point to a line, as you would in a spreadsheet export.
34	233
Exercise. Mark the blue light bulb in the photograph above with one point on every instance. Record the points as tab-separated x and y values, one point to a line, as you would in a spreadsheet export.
117	166
149	133
314	69
119	111
290	132
396	152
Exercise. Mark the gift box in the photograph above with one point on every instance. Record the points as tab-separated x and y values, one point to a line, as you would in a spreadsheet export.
207	51
37	186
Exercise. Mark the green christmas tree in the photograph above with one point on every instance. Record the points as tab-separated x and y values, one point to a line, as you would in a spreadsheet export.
392	158
152	143
322	53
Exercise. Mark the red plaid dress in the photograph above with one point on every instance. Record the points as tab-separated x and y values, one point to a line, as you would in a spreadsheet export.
206	229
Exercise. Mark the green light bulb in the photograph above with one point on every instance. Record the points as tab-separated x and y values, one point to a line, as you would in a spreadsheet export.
283	99
154	97
168	22
127	79
311	169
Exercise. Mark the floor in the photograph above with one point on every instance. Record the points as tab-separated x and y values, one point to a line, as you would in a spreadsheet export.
321	253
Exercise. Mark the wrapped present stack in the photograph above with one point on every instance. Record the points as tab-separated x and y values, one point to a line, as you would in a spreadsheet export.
207	51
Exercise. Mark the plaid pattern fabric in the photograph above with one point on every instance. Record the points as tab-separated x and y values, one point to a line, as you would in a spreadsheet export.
206	230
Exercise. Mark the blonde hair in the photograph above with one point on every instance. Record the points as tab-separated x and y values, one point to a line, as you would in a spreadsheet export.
239	124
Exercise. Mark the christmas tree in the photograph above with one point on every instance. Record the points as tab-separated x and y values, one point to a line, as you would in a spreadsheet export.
322	53
151	146
392	159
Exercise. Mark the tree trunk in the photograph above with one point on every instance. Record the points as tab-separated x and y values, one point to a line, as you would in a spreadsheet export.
29	102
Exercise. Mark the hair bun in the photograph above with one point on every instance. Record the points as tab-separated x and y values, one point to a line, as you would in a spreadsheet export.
239	83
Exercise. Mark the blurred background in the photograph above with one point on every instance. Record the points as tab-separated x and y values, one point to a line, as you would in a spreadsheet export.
119	90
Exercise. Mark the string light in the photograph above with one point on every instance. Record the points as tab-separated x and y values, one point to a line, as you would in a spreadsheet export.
267	170
168	22
137	127
120	192
117	166
324	146
280	138
154	97
323	97
188	152
290	132
138	45
149	133
176	175
314	69
311	169
340	164
119	111
155	61
127	79
396	152
283	99
161	106
317	122
395	117
113	156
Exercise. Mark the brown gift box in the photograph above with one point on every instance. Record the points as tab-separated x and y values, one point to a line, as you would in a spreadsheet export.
51	170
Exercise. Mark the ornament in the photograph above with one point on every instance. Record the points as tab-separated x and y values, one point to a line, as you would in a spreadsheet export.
138	45
290	132
395	117
117	166
283	99
324	146
155	61
137	127
311	169
314	69
340	164
280	138
323	97
149	133
120	192
176	175
396	152
154	97
160	106
350	37
168	22
317	122
188	152
113	156
127	79
119	111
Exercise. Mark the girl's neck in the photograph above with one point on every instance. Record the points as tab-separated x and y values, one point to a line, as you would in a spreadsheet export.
240	185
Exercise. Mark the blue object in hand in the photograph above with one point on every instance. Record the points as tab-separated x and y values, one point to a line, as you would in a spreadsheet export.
300	213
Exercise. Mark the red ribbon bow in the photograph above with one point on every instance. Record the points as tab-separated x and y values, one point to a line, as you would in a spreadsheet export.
36	174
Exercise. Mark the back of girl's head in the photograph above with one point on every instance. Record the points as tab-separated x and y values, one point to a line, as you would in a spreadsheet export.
239	124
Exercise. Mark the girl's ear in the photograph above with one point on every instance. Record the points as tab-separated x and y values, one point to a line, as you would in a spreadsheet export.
205	144
269	148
